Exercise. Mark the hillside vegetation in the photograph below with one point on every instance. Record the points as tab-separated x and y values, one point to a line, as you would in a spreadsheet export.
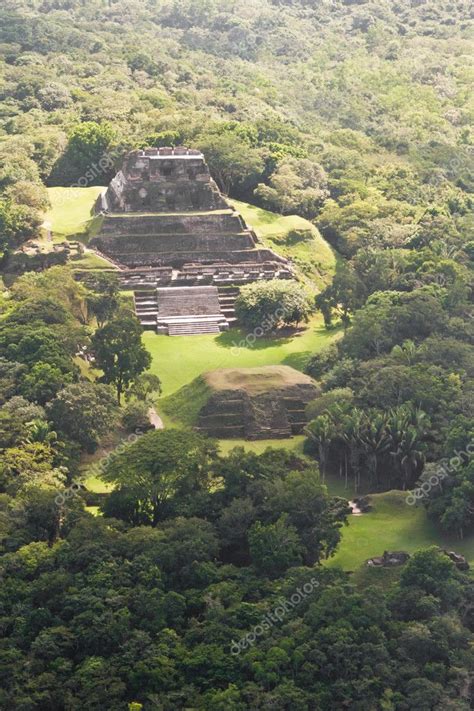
187	574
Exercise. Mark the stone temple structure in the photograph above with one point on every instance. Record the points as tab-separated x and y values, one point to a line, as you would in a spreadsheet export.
178	242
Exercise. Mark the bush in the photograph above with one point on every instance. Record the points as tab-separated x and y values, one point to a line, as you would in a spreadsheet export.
270	304
135	416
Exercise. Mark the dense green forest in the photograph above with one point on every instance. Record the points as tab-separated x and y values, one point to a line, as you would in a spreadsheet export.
203	581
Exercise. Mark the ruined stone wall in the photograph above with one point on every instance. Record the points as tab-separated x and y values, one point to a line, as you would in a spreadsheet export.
172	224
176	243
134	253
232	414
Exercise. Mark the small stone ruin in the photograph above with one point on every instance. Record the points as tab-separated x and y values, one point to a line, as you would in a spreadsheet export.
389	559
459	560
166	225
256	403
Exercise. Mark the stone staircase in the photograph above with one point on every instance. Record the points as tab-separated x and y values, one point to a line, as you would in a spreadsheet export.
227	297
194	326
189	311
146	308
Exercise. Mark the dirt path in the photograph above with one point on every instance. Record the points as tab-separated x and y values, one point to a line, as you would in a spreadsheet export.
155	419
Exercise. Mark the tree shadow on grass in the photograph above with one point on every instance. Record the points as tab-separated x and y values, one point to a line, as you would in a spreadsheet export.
239	338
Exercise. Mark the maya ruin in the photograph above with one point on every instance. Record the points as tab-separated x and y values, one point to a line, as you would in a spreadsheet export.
249	403
179	243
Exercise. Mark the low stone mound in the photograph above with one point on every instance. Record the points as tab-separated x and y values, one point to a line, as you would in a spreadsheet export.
245	403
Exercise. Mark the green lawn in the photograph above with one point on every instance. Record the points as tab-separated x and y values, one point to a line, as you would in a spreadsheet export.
179	359
70	212
295	238
97	485
392	525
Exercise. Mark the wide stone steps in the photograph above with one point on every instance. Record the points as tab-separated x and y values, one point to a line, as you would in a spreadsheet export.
193	329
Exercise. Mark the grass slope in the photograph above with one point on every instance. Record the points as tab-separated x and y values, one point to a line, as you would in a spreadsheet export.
292	237
70	218
70	212
392	525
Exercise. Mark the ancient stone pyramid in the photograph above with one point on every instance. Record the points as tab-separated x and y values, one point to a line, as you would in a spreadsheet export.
163	209
166	226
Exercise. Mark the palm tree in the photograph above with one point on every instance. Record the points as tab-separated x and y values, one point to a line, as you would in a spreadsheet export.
406	353
39	431
351	429
406	428
321	432
375	441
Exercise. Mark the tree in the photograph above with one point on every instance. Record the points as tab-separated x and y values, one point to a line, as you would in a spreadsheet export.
269	304
432	572
298	185
103	302
165	471
10	375
85	160
321	432
232	161
32	343
18	223
145	387
84	412
119	352
274	547
15	416
135	416
31	464
345	294
42	383
451	504
316	516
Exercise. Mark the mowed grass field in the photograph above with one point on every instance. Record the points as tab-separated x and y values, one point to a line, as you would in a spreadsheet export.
179	359
392	525
70	217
